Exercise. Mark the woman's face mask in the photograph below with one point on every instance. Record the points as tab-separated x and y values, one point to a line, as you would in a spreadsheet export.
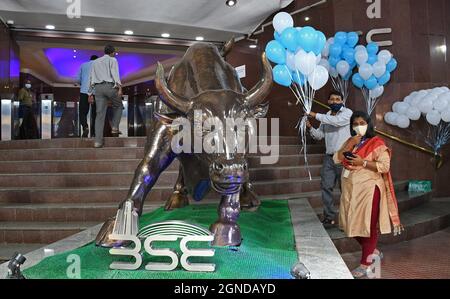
361	130
28	85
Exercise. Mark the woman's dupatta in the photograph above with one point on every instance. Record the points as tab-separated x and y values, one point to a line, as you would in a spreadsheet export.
370	146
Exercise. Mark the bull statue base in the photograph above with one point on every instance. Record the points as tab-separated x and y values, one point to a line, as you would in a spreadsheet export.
202	85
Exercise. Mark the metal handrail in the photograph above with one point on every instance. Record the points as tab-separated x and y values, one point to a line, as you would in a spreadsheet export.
439	159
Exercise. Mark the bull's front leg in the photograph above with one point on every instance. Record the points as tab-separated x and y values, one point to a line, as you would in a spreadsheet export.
158	156
226	229
248	198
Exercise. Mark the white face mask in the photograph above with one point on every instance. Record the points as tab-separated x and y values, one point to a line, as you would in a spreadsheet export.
28	86
360	130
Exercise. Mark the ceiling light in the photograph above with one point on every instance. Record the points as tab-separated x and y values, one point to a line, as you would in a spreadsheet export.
50	27
90	29
128	32
253	46
166	35
74	56
307	19
10	22
199	38
442	48
74	51
231	3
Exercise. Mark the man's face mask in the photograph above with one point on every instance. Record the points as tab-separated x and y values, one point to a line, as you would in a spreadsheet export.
336	107
361	130
28	85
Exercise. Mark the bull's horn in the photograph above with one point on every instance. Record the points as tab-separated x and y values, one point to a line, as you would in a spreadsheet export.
228	47
261	90
175	102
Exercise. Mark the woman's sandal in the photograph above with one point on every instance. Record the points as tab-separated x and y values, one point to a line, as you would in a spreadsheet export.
360	272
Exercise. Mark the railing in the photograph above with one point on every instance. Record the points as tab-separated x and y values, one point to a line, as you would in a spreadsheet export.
438	157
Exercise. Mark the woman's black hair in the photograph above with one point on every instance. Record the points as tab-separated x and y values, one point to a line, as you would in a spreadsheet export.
370	129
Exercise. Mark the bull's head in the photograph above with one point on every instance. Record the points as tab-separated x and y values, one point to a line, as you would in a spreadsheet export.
228	169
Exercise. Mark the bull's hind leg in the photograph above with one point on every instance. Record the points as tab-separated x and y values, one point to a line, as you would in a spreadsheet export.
179	197
158	156
248	198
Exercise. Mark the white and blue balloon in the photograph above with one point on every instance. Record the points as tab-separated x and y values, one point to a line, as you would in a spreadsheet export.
297	53
339	58
374	72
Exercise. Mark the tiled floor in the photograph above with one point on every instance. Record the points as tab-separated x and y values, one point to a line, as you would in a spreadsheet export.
427	258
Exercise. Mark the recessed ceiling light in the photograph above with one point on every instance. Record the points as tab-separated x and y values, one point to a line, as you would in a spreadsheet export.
231	2
117	53
74	56
307	19
74	51
128	32
199	38
253	46
166	35
90	29
50	27
10	22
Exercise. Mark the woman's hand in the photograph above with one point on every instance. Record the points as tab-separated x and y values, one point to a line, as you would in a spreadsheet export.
356	162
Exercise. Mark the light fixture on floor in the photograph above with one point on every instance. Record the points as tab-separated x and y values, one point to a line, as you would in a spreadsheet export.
14	266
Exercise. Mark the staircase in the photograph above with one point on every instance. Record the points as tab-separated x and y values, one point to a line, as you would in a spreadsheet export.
51	189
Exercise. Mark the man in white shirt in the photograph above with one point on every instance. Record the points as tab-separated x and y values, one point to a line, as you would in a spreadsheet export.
105	81
335	128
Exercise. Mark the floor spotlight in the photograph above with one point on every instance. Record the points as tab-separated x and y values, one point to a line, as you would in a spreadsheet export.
14	266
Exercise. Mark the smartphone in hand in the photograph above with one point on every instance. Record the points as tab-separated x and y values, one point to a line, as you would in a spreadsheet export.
348	155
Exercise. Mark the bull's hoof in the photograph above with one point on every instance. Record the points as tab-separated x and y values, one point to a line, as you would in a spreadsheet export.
176	201
226	234
249	202
103	239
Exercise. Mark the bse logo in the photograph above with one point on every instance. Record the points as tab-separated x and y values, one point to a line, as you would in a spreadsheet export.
168	231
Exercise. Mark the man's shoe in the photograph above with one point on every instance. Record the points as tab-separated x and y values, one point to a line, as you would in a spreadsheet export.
328	223
115	133
98	145
85	132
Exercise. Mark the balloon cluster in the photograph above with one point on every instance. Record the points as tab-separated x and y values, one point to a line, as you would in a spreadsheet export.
374	71
297	53
340	53
433	104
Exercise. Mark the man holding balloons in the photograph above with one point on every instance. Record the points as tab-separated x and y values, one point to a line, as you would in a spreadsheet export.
335	128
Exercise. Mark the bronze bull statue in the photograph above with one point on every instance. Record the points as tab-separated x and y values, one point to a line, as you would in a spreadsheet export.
202	81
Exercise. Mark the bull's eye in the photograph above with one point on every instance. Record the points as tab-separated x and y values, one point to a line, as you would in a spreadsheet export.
245	166
218	166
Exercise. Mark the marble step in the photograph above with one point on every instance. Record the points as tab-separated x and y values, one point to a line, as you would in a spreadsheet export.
127	165
39	232
425	219
123	179
109	142
114	153
406	201
8	250
159	193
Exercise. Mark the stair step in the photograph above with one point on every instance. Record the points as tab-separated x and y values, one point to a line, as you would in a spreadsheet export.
406	201
127	165
112	153
109	142
420	221
39	232
58	180
8	250
158	193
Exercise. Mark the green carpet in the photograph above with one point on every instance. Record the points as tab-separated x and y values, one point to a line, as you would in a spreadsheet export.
267	251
